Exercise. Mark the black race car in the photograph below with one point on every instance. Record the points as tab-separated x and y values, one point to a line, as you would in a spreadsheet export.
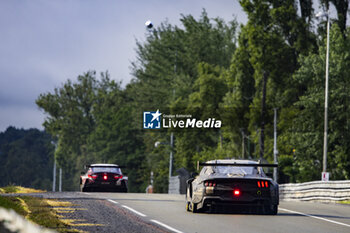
232	185
103	177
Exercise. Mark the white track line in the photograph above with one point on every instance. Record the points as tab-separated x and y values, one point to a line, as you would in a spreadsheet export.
312	216
135	211
112	201
143	215
127	207
166	226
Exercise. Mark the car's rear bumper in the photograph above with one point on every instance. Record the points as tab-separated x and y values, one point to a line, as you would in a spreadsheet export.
218	201
105	185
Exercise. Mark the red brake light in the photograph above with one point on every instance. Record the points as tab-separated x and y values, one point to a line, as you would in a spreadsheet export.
236	192
209	184
118	176
105	177
263	184
93	176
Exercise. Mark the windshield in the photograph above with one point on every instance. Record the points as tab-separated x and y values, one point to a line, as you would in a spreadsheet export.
106	169
235	170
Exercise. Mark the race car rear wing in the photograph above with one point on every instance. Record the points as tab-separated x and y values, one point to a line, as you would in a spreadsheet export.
116	166
237	164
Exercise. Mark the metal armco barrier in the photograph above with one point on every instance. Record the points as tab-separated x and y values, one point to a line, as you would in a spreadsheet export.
10	222
321	191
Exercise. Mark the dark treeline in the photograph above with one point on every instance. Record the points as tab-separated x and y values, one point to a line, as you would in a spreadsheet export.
26	158
215	69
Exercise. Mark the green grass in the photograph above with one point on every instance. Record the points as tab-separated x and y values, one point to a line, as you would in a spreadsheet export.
9	189
345	202
42	214
36	210
12	203
19	189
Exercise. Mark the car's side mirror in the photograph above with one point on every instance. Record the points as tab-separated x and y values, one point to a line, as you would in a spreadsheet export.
194	175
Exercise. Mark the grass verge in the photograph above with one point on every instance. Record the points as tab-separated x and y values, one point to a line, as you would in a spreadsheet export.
344	202
49	213
36	210
12	203
19	189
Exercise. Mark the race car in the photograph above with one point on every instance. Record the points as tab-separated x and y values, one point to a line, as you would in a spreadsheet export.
233	185
103	177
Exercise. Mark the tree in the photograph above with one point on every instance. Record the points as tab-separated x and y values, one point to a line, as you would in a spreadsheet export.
272	59
116	138
21	151
175	67
307	136
342	7
306	10
203	103
70	121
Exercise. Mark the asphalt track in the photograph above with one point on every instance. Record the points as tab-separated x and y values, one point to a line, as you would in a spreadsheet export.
134	212
168	211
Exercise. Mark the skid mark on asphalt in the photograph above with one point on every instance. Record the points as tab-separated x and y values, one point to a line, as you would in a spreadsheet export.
312	216
143	215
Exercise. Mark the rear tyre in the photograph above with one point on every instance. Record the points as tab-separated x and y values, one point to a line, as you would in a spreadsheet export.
188	206
274	209
124	189
193	208
84	189
270	209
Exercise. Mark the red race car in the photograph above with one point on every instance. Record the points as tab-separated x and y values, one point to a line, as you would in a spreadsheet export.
103	177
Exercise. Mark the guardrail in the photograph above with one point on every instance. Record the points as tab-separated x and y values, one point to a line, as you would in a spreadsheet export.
10	222
321	191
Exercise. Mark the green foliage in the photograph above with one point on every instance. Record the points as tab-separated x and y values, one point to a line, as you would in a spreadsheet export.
203	103
70	120
9	189
307	131
342	7
200	68
12	203
20	151
91	121
181	69
36	210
